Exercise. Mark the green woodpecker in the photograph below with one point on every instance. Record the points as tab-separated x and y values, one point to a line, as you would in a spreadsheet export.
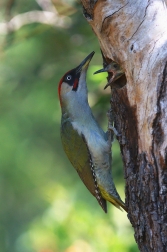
84	142
113	68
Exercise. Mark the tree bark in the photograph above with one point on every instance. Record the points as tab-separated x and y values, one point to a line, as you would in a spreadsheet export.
134	34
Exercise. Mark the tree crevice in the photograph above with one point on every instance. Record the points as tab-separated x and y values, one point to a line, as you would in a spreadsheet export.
103	21
141	21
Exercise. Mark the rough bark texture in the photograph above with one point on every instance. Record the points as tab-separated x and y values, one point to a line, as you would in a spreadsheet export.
134	34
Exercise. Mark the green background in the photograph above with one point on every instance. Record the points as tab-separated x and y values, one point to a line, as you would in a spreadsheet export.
44	207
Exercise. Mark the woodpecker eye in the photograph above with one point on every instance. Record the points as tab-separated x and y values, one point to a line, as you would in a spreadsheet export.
68	77
115	65
71	78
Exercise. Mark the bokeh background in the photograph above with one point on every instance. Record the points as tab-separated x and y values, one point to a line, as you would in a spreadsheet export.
44	207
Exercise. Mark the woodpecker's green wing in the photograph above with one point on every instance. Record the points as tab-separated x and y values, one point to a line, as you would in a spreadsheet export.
77	152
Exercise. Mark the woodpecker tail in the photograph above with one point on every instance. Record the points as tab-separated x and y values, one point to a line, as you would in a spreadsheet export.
118	203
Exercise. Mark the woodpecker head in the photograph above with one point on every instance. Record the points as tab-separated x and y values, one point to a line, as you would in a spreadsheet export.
72	86
113	68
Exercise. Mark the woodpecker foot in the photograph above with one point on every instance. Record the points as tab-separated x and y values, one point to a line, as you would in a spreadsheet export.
110	116
113	129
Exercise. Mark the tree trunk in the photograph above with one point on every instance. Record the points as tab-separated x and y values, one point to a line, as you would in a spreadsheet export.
134	34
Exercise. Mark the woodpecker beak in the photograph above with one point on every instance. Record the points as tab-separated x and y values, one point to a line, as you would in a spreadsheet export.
106	69
85	63
108	84
100	71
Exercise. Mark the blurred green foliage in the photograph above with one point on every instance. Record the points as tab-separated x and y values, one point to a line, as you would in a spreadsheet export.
44	205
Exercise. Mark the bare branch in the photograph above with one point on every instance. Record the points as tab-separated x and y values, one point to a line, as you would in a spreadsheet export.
44	17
